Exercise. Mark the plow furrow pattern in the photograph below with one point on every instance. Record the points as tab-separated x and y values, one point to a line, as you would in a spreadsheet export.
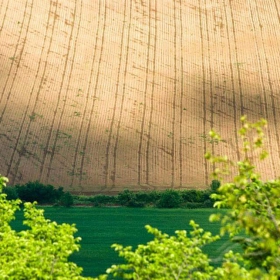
98	96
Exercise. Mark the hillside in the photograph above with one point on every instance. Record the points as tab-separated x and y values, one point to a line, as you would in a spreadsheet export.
98	95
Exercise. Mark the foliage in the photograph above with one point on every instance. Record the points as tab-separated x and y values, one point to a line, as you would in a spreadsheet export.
42	194
255	206
11	193
47	194
252	219
192	196
215	185
126	197
66	200
39	252
169	199
162	199
36	191
102	200
98	226
165	257
148	197
82	200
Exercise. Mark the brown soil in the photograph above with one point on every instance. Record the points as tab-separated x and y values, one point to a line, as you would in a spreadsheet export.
97	96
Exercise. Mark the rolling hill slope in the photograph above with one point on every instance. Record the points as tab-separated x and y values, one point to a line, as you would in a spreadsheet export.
98	95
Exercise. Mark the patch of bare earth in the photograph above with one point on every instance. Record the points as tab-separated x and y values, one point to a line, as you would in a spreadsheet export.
97	96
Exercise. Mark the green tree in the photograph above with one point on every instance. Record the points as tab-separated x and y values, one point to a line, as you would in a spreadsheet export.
167	257
41	251
252	219
254	206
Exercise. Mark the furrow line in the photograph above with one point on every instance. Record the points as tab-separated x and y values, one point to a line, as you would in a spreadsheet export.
210	73
96	85
237	149
211	89
57	103
86	106
204	90
69	79
236	58
144	105
277	10
152	100
12	64
4	18
108	146
10	90
271	89
173	155
261	71
122	102
181	99
31	94
45	67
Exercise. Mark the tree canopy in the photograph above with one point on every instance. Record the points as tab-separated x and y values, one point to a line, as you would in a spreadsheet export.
252	219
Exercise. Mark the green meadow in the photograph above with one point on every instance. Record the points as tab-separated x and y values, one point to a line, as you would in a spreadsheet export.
99	228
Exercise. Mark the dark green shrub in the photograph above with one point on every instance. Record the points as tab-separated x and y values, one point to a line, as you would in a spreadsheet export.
215	184
135	204
66	200
149	197
101	200
142	196
169	199
36	191
126	198
205	195
208	203
11	193
154	196
80	199
192	196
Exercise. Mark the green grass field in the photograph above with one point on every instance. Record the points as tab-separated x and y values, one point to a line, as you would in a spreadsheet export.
101	227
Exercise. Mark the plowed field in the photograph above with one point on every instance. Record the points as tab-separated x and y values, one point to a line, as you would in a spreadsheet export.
98	95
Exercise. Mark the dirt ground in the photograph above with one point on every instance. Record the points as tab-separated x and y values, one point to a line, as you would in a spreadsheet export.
100	95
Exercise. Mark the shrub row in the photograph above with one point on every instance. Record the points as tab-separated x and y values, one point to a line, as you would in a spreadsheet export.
162	199
43	194
170	198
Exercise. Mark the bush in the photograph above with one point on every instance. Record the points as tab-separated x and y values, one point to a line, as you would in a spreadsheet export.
163	199
208	203
148	198
101	200
192	196
215	185
41	251
169	199
47	194
36	191
11	193
126	198
206	195
81	199
135	204
66	200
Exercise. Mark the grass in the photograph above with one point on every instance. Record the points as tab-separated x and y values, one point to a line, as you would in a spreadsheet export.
101	227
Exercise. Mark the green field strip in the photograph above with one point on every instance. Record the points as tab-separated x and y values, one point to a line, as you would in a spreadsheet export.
101	227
